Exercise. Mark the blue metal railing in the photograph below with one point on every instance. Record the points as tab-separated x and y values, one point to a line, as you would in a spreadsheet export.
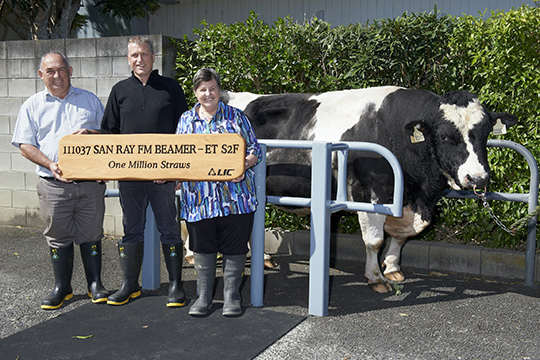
321	206
531	198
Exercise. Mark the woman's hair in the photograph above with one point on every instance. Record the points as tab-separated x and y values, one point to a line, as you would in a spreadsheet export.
203	75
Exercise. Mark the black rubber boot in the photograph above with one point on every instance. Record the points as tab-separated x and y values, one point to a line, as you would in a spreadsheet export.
174	257
62	260
131	256
205	269
91	258
233	268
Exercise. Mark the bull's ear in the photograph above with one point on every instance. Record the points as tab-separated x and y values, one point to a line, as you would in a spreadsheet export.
417	130
507	119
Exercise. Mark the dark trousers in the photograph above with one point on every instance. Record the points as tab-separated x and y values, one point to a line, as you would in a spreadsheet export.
228	235
135	196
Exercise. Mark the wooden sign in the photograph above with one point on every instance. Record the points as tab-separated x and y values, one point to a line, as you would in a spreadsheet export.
205	157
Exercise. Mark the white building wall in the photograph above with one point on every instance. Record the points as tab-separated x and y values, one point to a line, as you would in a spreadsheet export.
179	19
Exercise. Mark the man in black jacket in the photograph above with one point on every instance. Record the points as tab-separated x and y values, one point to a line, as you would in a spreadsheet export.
146	103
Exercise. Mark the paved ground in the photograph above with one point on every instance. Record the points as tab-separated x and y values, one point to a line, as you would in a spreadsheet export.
436	316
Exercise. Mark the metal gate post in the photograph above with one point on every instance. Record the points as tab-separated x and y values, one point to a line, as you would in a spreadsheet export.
530	255
319	262
151	263
257	234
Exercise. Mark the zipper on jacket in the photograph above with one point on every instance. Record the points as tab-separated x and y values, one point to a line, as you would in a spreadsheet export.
144	98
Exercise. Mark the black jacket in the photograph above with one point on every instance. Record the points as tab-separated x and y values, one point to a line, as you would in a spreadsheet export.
134	108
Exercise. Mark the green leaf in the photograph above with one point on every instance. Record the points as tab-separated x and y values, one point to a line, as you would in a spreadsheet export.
397	288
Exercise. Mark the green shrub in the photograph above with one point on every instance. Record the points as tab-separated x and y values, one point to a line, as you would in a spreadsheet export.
497	58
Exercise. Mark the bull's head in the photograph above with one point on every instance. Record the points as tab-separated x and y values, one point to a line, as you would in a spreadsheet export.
459	133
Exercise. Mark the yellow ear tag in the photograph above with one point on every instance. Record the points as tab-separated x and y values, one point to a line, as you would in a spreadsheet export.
417	136
499	128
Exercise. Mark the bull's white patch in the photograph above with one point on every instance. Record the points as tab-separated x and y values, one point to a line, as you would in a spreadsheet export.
241	100
410	224
340	110
465	118
451	181
371	225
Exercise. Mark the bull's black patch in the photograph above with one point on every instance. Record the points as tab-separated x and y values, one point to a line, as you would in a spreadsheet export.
454	129
390	124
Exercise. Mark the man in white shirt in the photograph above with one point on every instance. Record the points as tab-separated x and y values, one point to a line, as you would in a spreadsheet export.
72	210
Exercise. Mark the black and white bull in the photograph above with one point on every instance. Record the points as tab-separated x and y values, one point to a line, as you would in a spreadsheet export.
438	140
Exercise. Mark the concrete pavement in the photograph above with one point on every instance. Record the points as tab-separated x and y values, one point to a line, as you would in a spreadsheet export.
438	315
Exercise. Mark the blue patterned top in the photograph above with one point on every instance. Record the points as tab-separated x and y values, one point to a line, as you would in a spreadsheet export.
208	199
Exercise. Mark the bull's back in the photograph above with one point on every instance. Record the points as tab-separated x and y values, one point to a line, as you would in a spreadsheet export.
370	115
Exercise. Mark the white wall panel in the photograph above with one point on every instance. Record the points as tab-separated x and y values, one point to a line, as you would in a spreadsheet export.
177	20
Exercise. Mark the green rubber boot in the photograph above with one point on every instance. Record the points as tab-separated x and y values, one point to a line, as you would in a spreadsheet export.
91	258
62	261
131	257
174	257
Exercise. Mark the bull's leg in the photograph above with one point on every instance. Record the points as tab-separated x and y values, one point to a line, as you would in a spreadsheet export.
392	259
185	236
399	229
189	253
372	226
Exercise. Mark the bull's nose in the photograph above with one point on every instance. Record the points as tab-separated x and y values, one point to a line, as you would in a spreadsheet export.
478	182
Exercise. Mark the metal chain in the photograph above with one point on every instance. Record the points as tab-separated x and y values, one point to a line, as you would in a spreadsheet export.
493	216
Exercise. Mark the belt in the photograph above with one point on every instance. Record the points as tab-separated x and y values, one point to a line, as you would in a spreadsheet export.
50	178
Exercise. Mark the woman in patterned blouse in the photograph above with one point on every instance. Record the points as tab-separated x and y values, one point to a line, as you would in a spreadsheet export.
219	214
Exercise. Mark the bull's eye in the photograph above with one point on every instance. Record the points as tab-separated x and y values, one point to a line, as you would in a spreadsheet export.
444	137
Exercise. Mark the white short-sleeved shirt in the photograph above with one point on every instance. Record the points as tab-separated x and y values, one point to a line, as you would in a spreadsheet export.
44	119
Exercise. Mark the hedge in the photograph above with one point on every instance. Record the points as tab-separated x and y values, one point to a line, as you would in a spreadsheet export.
496	58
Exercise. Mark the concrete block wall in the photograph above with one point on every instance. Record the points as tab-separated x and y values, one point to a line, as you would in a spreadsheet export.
97	64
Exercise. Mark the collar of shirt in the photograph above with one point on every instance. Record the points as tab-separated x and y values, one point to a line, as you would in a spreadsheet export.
152	76
71	91
216	118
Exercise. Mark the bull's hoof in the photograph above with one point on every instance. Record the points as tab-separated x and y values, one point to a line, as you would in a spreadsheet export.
269	264
395	276
189	259
381	288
